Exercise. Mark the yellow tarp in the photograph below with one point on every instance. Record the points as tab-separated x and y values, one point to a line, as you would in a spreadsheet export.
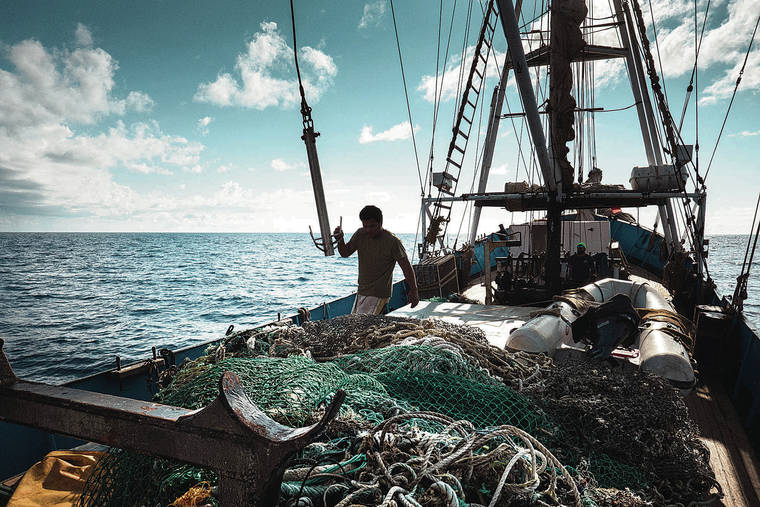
56	480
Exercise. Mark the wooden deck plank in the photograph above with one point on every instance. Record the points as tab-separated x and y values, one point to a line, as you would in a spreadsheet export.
731	455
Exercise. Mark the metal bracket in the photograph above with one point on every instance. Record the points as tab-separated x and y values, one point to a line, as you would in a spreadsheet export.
248	450
320	242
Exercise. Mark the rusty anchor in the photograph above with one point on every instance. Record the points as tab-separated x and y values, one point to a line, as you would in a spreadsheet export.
248	450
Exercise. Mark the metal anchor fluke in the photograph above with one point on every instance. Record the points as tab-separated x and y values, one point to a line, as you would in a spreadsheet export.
248	450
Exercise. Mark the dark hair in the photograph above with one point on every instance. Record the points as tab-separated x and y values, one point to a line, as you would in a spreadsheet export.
371	213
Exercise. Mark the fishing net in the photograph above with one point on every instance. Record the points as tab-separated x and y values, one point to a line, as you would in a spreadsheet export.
433	416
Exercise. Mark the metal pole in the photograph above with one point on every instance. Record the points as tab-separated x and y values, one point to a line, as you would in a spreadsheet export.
634	83
700	232
497	101
485	168
524	85
667	214
636	87
487	270
423	212
310	138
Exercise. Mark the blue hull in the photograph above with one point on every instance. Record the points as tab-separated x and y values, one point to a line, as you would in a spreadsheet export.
23	446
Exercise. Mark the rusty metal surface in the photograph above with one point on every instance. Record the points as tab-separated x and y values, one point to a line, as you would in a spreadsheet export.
247	449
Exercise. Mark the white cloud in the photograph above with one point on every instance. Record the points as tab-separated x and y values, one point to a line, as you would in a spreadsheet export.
75	85
83	36
203	124
279	164
448	81
723	46
47	162
265	74
745	133
499	170
373	14
724	86
395	133
139	101
224	168
52	86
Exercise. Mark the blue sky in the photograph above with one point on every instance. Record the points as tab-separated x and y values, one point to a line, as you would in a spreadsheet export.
183	116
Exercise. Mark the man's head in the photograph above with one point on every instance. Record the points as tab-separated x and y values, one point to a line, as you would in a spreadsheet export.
581	248
372	220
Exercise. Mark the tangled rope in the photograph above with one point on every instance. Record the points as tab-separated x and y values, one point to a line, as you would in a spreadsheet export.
434	416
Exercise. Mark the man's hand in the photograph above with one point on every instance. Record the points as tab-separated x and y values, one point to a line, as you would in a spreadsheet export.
414	297
344	249
338	234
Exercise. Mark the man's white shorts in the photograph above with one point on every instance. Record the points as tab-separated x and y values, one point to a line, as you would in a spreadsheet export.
369	304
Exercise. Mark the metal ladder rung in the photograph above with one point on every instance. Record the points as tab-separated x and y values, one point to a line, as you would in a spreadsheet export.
458	166
474	106
460	150
444	191
459	132
441	205
467	119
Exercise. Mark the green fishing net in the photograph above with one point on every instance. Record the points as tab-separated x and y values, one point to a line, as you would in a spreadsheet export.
420	370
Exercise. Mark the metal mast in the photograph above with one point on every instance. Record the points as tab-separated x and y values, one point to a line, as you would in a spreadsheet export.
522	76
549	170
645	112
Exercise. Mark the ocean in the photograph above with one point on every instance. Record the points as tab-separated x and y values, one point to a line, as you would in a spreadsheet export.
71	302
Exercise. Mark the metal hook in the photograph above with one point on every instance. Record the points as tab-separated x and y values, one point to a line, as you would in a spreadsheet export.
320	242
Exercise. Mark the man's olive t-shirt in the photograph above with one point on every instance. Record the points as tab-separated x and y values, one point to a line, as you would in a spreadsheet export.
377	258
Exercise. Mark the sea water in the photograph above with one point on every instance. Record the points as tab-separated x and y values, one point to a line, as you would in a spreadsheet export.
71	302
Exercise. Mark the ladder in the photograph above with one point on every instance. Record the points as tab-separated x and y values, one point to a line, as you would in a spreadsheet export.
461	131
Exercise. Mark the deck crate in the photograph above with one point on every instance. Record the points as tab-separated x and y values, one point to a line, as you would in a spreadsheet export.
437	276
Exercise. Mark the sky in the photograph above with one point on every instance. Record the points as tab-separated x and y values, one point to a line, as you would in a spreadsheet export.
175	116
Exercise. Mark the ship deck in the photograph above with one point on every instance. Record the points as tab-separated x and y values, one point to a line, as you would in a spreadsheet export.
731	455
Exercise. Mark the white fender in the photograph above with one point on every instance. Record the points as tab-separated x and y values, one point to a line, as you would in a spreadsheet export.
543	334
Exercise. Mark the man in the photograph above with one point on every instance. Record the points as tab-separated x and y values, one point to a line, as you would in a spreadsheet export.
581	265
379	251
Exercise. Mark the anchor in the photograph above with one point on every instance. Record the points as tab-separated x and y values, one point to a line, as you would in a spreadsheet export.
248	450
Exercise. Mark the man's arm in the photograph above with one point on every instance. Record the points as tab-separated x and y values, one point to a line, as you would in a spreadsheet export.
344	249
411	281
